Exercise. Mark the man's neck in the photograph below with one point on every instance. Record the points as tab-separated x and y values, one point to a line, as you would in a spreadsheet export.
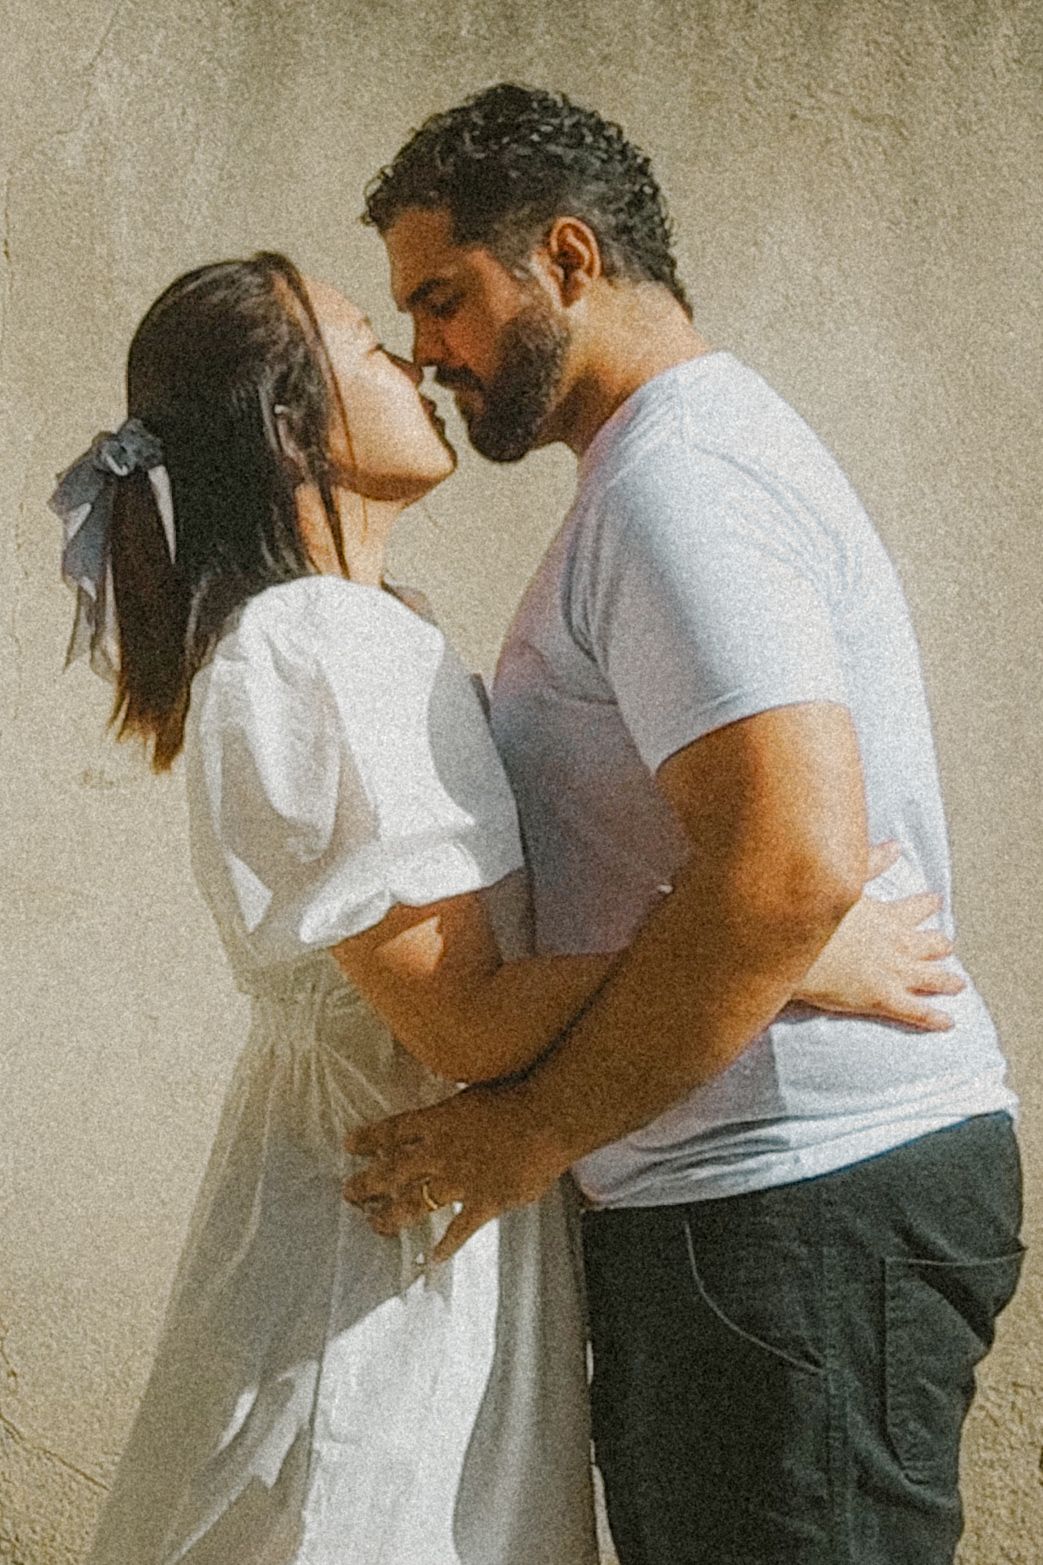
641	332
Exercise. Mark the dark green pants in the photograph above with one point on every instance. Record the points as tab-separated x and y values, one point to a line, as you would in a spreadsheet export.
781	1378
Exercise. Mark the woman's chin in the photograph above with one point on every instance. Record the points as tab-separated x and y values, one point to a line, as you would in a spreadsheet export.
441	468
407	488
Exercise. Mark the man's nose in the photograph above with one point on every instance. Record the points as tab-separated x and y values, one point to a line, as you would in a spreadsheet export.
428	347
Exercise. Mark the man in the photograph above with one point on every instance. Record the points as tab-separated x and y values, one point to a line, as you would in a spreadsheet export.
799	1233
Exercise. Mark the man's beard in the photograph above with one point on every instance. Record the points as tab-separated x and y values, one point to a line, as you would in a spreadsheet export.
517	400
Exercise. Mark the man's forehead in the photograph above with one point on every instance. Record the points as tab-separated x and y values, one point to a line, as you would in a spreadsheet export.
422	253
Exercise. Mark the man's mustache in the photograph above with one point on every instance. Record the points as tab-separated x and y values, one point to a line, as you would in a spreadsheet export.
458	380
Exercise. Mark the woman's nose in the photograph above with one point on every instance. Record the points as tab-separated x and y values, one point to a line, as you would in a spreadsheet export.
414	371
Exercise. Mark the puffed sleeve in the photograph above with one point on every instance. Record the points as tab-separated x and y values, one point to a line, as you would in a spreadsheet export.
346	766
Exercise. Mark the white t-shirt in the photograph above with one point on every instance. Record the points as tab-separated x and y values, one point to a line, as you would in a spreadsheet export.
715	564
344	765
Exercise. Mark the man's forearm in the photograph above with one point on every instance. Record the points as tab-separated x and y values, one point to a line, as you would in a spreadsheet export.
773	807
704	977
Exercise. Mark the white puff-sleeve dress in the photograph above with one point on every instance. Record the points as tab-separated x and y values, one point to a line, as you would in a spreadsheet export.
317	1398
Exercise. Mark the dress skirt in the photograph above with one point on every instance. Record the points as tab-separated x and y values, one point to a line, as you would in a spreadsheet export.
318	1397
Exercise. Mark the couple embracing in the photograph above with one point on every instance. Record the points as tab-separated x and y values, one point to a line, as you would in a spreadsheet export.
706	988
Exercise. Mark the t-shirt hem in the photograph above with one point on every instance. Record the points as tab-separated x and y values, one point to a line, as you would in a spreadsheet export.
687	729
493	857
789	1165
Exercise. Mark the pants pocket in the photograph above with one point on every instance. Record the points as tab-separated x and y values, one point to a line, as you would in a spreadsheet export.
761	1303
940	1322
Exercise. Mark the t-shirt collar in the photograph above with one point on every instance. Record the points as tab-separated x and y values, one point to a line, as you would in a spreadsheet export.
646	397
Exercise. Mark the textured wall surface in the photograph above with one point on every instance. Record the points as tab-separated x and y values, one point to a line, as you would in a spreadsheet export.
858	191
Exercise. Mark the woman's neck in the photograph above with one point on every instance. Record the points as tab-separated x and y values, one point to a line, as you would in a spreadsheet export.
365	526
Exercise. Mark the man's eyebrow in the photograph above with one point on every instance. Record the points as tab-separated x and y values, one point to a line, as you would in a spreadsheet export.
421	295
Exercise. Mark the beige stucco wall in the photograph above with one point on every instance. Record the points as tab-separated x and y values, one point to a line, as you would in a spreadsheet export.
858	191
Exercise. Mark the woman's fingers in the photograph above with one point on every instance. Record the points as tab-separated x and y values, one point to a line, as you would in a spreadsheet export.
464	1224
920	968
919	945
881	856
921	1015
917	909
932	946
931	978
904	1003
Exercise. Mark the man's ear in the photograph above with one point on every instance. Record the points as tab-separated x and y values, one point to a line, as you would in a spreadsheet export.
573	258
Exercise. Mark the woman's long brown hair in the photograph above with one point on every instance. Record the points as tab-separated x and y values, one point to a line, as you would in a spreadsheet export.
220	350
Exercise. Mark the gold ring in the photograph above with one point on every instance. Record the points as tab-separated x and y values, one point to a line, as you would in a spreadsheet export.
429	1200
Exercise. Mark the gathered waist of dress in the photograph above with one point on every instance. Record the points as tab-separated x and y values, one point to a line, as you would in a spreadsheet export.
309	1016
290	982
302	1002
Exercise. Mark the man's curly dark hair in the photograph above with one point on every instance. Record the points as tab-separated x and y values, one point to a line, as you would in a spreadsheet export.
511	159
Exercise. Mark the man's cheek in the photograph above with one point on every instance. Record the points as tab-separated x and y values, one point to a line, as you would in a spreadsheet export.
477	349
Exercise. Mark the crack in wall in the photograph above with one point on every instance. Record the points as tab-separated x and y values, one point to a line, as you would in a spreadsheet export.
37	1448
7	1365
33	1448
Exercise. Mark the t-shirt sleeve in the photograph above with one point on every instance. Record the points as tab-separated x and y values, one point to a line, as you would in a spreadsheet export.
705	603
342	778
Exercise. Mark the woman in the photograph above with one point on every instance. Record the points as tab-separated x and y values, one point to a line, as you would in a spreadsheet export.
318	1396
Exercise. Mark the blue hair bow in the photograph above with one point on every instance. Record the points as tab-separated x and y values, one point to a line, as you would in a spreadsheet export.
83	500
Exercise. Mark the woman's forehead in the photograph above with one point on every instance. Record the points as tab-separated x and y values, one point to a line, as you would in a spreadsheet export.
333	309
